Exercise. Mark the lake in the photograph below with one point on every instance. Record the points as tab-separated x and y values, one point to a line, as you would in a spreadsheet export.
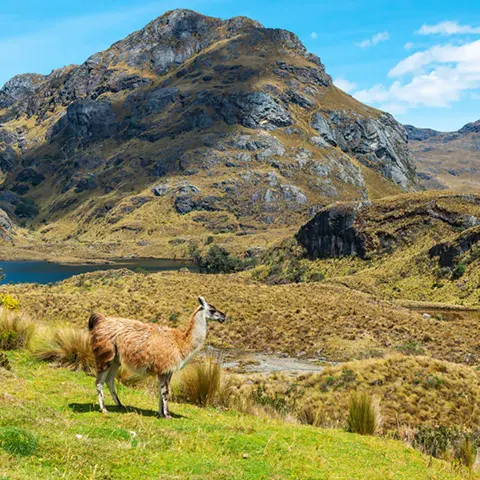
45	272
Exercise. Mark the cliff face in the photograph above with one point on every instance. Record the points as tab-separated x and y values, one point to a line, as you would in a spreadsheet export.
243	114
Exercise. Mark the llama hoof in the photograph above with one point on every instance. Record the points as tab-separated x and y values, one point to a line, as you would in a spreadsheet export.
105	411
161	415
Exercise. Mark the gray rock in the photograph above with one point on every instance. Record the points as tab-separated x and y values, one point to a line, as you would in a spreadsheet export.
322	126
5	221
186	188
332	233
379	143
8	159
161	189
19	89
87	121
291	193
252	110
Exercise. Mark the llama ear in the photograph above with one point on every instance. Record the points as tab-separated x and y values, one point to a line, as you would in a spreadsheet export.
202	302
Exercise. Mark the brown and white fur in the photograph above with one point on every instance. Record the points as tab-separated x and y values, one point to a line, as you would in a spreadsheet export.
146	348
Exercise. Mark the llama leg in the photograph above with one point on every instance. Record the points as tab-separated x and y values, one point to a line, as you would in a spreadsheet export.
101	376
111	381
163	401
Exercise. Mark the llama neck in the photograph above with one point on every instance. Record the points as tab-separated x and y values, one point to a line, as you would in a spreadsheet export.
196	332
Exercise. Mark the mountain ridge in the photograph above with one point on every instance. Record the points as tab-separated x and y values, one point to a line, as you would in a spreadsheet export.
447	160
238	125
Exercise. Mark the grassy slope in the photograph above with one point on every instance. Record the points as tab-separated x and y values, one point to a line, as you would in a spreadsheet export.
292	319
412	391
56	406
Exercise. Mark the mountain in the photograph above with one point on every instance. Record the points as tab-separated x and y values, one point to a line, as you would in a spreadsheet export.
190	127
447	159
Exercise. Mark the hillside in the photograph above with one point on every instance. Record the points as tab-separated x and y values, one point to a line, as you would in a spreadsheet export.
447	160
71	439
191	127
422	246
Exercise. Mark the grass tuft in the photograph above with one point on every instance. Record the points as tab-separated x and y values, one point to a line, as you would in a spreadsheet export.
363	414
200	382
15	329
69	346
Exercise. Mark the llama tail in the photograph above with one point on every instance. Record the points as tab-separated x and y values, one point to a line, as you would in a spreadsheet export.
94	319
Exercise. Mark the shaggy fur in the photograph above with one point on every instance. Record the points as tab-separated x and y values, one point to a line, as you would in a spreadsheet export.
146	348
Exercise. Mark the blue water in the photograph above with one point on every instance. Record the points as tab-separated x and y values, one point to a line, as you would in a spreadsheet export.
45	272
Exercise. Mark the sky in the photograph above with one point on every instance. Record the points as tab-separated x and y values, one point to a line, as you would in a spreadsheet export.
418	60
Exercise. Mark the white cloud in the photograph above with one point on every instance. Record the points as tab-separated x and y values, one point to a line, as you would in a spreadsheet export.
408	45
447	28
435	77
314	35
374	40
345	85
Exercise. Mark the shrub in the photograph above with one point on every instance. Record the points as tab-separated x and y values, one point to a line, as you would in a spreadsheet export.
458	271
17	441
466	453
436	441
363	414
218	260
27	208
15	330
9	302
69	346
200	382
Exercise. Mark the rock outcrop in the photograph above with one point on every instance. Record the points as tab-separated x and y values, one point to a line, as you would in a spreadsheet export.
380	227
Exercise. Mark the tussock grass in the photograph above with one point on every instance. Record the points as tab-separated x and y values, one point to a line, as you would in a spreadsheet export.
68	346
363	414
200	382
414	391
16	329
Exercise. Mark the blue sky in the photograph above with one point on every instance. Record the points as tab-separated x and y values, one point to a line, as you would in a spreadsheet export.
418	60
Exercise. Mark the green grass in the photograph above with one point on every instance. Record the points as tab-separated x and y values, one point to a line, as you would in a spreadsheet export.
57	408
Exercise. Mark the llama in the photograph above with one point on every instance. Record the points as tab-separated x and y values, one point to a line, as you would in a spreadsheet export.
146	348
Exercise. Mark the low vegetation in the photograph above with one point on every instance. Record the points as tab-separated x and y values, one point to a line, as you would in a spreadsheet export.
414	391
16	329
363	414
319	320
68	346
200	383
50	427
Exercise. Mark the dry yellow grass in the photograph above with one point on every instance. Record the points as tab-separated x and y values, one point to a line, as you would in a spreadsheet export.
412	391
314	319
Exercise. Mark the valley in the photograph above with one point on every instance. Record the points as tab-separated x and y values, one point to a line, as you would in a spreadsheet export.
214	157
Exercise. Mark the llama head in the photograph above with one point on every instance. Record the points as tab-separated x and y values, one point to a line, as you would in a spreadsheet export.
211	313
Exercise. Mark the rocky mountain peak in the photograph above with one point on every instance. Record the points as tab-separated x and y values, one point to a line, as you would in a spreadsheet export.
19	88
245	111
